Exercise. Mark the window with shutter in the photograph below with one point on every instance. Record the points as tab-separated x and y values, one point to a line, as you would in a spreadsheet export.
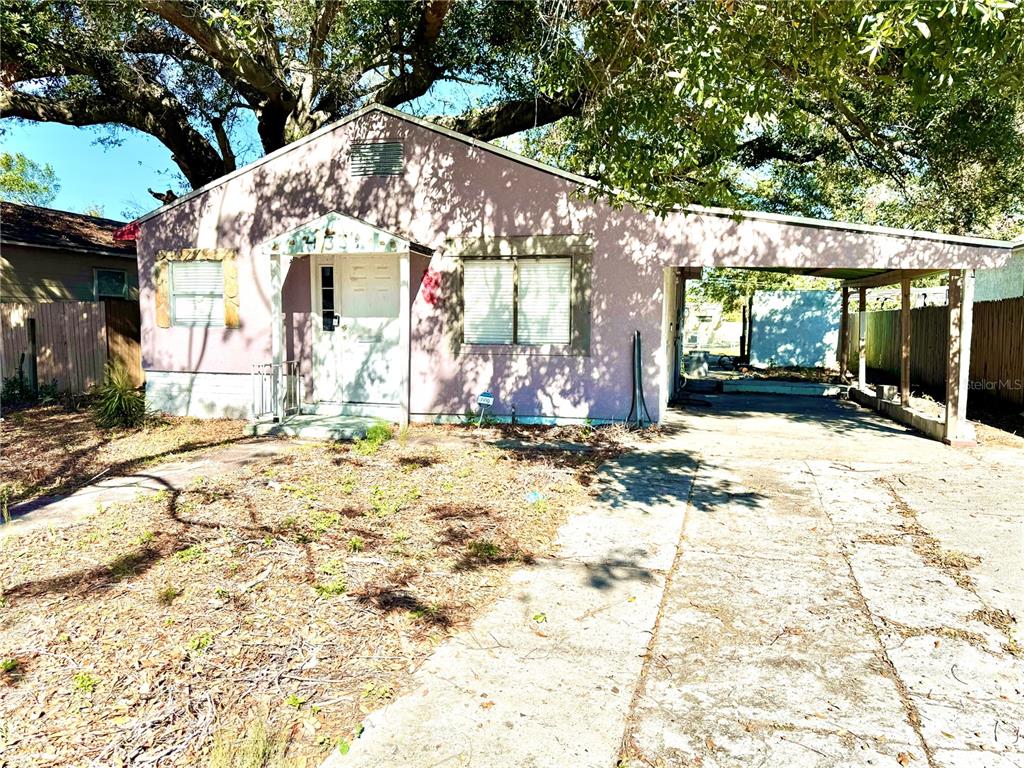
544	300
487	291
383	158
197	293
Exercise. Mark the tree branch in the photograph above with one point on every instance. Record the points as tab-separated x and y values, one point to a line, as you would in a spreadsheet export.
507	117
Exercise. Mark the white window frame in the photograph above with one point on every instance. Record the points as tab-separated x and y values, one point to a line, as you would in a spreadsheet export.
96	283
516	343
217	319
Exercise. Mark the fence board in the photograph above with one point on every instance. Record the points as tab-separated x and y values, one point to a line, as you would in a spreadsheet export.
71	342
123	334
997	347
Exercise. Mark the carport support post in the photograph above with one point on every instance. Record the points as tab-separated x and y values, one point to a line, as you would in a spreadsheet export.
276	336
958	366
862	342
844	333
905	325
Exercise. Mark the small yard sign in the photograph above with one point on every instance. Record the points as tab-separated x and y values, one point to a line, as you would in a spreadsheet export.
484	400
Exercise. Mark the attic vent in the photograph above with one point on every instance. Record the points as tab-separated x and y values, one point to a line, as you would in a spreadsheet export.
376	159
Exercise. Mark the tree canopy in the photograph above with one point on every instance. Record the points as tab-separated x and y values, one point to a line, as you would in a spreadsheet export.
25	181
890	110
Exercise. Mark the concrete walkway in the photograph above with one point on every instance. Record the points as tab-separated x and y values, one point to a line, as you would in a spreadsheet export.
62	511
779	582
546	676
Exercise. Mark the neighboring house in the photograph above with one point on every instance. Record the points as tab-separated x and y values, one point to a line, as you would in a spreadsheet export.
795	329
400	269
49	255
1003	283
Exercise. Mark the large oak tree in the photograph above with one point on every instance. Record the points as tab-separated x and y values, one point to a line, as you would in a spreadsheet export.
667	102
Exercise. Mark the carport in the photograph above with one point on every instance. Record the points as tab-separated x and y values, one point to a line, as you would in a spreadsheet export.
863	257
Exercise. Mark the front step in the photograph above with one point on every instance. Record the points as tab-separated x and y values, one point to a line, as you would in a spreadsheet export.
314	427
378	411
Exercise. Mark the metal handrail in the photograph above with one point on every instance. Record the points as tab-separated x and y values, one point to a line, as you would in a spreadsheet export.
275	390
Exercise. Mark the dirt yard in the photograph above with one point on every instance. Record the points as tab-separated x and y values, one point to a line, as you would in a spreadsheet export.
265	611
49	450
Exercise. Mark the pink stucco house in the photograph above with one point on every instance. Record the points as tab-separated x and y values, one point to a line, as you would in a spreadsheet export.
385	266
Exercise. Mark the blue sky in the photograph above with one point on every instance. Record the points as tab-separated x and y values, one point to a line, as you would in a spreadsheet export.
115	178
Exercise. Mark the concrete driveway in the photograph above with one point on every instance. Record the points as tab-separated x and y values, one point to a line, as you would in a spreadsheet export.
778	582
845	594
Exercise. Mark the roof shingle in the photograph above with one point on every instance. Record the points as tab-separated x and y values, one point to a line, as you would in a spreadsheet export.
51	228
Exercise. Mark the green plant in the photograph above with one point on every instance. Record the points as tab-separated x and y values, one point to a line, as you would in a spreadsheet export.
200	642
8	666
167	594
189	554
85	683
376	435
257	748
117	402
484	549
332	588
295	701
356	544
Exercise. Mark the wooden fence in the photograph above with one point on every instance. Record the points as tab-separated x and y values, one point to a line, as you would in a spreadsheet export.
69	341
124	329
997	347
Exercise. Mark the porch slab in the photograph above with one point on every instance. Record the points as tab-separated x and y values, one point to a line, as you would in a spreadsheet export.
311	426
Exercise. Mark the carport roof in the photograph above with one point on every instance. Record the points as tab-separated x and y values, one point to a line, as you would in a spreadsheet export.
854	278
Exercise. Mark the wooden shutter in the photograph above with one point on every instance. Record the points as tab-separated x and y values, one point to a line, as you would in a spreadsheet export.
487	295
545	296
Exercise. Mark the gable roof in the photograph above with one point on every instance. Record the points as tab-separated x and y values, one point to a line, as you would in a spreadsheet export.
583	181
49	228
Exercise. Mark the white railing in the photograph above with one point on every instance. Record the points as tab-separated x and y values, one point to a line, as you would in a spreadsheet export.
275	390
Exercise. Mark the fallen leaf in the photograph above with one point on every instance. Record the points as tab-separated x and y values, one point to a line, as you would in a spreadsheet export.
710	743
486	704
904	758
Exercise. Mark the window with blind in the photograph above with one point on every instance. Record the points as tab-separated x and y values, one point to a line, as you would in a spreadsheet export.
517	301
197	293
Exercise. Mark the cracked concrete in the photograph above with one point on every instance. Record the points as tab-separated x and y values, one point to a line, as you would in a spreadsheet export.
779	582
819	613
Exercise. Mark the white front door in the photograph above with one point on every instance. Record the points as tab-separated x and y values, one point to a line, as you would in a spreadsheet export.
357	338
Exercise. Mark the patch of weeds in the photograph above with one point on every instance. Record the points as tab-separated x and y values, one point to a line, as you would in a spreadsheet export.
222	593
323	520
484	549
356	544
332	567
9	667
257	748
334	588
85	683
401	537
147	538
295	701
201	642
168	594
431	612
309	490
377	434
377	691
189	554
385	502
540	618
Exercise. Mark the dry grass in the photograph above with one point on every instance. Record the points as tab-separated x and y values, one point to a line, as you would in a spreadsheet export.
268	610
49	450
